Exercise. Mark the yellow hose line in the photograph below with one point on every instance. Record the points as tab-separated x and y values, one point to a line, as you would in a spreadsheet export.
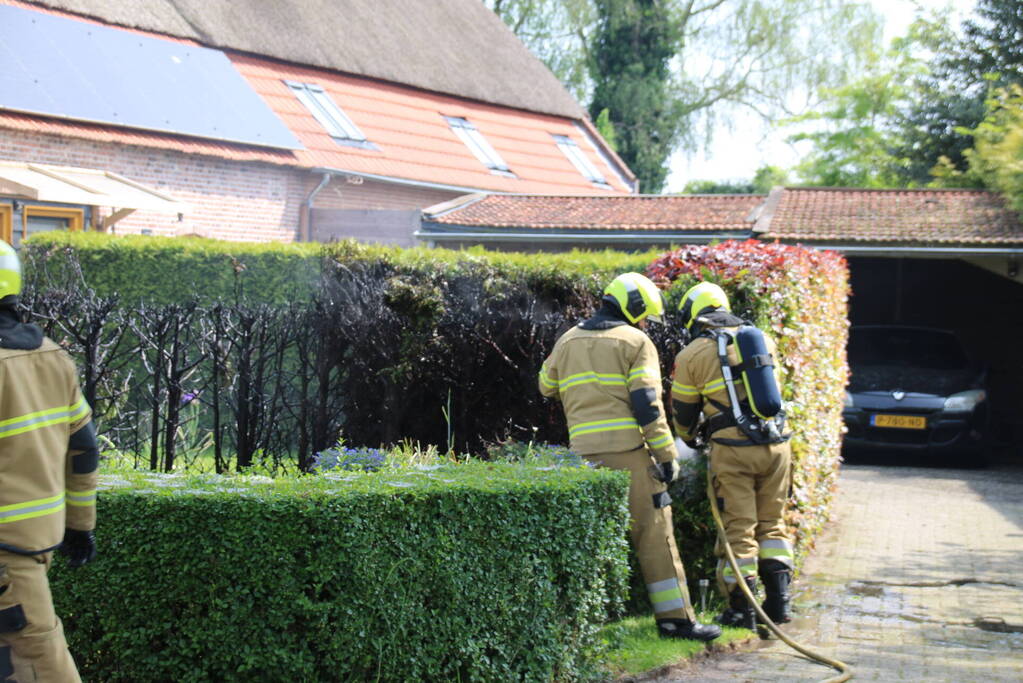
844	669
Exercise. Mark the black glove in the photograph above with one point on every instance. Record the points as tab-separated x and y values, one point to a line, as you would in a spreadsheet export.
79	546
666	472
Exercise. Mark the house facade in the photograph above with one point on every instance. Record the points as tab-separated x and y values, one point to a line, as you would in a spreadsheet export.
285	120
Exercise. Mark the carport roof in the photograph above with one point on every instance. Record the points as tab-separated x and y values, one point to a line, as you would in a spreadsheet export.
895	217
569	213
847	220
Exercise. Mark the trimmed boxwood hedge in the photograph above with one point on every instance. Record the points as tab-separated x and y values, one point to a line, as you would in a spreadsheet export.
165	270
168	270
472	572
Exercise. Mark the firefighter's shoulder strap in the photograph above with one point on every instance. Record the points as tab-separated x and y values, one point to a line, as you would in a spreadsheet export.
760	417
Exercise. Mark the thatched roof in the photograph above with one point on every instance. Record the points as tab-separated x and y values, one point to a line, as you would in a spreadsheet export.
457	47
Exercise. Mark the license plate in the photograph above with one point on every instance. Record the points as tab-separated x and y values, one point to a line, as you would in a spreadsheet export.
899	421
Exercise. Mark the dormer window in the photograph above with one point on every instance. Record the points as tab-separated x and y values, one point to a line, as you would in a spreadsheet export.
478	145
327	113
580	161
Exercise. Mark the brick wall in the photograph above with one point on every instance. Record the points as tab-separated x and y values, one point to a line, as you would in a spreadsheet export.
244	201
227	200
342	193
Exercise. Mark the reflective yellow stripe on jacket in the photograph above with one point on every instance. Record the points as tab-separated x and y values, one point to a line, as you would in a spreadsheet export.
603	426
81	498
43	418
546	380
591	378
679	389
31	508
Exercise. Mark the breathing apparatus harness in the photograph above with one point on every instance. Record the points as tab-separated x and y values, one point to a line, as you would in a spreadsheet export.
760	416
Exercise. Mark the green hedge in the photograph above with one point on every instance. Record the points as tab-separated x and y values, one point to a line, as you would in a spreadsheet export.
168	270
172	269
472	572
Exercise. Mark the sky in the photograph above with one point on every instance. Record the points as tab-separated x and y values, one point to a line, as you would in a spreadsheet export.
737	153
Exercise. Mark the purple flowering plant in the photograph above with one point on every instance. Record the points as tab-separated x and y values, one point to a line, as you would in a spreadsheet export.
350	459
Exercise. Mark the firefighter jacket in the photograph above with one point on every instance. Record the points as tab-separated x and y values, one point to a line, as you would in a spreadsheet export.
48	455
697	383
608	380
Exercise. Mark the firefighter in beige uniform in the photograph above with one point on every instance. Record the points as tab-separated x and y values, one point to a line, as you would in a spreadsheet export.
750	479
48	462
606	374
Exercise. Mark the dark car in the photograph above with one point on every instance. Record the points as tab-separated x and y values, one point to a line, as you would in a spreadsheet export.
915	389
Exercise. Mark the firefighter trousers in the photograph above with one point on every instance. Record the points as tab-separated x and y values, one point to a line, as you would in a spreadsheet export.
751	484
653	537
32	644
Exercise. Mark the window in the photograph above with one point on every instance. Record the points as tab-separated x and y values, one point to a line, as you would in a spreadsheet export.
6	215
580	160
46	218
329	115
477	144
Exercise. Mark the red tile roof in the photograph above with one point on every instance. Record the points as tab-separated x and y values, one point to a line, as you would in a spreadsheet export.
676	213
413	141
836	217
912	217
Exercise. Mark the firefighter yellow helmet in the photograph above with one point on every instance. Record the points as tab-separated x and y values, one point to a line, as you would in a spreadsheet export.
10	271
702	298
636	296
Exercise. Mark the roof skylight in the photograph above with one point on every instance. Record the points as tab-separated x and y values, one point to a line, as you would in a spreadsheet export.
326	112
579	160
477	144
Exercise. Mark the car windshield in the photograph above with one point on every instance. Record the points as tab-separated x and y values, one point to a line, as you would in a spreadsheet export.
930	349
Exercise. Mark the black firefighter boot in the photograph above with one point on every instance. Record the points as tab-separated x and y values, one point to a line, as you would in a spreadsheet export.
689	630
740	611
776	577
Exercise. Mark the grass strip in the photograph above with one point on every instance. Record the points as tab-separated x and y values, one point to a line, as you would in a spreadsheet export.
634	646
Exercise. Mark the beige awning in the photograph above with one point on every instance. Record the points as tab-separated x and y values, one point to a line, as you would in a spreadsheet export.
84	186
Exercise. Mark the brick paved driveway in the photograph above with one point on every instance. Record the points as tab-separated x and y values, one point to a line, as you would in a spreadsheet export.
919	577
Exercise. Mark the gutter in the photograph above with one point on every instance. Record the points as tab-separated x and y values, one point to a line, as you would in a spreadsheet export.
645	238
896	251
398	181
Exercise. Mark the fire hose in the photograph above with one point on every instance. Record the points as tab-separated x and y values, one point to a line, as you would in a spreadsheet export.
843	669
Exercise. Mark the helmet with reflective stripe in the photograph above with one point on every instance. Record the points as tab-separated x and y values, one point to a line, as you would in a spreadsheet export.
699	299
10	272
636	296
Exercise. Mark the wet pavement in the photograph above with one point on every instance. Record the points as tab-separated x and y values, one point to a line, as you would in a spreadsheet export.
918	577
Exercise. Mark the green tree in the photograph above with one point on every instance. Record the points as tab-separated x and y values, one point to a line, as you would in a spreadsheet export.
852	137
949	99
766	178
996	158
630	52
711	56
718	187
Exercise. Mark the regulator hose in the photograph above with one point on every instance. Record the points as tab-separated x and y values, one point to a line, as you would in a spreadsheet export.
845	671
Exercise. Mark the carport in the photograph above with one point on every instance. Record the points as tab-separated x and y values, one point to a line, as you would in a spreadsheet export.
937	258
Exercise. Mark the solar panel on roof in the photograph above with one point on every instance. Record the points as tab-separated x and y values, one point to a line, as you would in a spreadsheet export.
70	69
